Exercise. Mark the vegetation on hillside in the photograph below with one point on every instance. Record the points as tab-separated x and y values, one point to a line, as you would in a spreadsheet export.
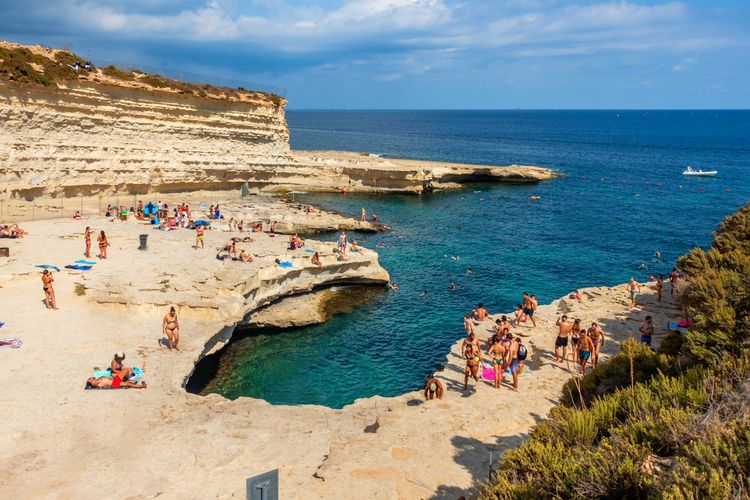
678	424
25	67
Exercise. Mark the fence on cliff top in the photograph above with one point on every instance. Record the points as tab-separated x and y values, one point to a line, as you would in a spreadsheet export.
196	78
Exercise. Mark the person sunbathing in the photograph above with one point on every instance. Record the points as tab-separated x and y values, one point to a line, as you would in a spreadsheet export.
316	259
230	248
112	382
118	369
245	256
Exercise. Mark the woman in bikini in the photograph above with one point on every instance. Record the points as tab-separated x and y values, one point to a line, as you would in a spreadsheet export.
103	244
472	363
497	353
575	332
49	292
597	339
171	328
87	235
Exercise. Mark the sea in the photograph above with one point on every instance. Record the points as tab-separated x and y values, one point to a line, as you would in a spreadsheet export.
621	199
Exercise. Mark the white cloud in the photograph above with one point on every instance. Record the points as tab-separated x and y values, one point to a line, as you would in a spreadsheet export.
684	65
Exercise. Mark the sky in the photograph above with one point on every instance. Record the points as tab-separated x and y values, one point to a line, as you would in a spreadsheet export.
420	54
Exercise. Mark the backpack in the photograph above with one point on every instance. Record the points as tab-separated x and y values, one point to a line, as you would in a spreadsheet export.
522	352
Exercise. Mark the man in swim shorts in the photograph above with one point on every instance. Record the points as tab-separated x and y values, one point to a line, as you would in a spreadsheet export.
563	334
585	346
596	334
528	308
433	388
647	330
199	236
513	363
634	288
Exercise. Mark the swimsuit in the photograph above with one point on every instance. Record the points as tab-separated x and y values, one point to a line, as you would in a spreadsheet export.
514	365
646	339
561	342
528	312
584	355
575	340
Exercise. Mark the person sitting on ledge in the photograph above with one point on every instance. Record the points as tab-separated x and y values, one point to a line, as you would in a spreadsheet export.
230	248
316	259
354	247
118	369
245	256
575	295
433	388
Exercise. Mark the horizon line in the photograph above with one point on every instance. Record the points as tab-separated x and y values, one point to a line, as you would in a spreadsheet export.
517	109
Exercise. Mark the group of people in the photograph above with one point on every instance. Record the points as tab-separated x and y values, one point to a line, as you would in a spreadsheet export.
505	350
585	343
12	231
101	239
364	216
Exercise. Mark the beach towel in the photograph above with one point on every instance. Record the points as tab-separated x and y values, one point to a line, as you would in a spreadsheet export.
488	372
85	262
10	343
677	327
102	373
310	251
2	324
78	267
285	264
201	223
49	266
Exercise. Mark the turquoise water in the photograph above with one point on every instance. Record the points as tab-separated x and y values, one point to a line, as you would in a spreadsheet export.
623	197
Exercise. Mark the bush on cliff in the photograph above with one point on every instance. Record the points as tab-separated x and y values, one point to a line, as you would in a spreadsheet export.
675	432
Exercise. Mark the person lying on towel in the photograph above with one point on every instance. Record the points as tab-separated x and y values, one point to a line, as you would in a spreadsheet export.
114	382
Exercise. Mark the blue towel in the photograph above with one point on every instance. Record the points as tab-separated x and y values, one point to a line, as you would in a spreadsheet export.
310	251
85	262
78	267
285	263
103	373
49	266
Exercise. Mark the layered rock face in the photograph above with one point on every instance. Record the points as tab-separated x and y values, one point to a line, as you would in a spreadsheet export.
88	138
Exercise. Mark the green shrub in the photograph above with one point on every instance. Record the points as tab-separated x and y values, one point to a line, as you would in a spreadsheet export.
115	72
676	432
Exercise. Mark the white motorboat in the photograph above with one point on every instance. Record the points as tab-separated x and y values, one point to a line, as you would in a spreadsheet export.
699	173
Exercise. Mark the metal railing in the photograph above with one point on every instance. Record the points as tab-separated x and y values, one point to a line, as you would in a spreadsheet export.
196	78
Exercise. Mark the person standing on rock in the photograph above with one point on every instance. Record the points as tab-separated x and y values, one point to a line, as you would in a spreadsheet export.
199	236
171	328
563	334
87	236
647	330
596	334
103	244
634	288
364	214
342	242
49	292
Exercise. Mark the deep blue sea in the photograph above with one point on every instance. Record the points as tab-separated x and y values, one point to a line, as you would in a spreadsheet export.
622	198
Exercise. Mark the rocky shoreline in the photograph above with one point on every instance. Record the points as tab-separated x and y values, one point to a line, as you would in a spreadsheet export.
379	447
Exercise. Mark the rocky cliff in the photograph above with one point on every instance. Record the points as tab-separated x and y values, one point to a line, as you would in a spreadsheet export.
69	133
87	138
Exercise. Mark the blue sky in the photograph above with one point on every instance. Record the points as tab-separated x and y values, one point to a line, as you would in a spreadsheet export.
417	54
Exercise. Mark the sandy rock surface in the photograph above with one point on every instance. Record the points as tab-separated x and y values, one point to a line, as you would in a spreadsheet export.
60	441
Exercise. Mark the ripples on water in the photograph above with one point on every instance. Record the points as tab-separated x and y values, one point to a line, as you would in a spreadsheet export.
623	198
